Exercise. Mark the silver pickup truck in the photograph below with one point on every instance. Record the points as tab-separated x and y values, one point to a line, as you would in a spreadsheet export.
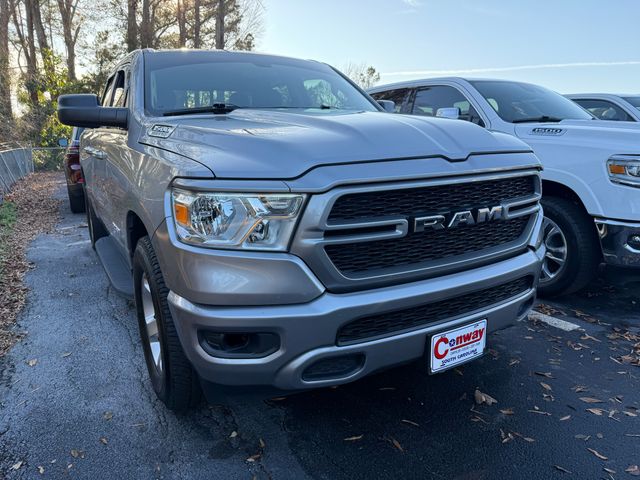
277	229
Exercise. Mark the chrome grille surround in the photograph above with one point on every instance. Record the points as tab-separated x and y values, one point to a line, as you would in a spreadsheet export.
317	231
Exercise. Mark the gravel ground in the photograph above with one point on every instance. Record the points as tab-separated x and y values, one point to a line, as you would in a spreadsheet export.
76	402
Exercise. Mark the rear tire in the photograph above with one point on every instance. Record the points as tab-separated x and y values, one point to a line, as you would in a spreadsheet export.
76	202
571	267
173	378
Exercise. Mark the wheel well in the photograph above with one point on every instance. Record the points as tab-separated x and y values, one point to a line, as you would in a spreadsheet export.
135	231
554	189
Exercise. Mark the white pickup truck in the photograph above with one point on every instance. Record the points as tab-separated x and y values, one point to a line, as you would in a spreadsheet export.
591	176
607	106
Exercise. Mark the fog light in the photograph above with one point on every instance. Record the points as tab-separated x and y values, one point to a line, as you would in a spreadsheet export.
634	241
238	344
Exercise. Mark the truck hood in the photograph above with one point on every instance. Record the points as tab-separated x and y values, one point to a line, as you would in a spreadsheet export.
269	144
619	137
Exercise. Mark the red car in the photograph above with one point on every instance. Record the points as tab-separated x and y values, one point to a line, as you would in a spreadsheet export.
73	171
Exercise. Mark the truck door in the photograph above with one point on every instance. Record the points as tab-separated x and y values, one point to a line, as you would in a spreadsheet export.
428	100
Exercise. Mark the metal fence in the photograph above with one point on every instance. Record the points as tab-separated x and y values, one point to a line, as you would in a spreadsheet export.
15	163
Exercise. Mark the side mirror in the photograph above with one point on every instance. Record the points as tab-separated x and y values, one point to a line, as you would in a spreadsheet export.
83	110
388	105
452	112
63	142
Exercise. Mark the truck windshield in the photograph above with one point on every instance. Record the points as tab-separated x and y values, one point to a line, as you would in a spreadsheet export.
182	80
521	102
635	101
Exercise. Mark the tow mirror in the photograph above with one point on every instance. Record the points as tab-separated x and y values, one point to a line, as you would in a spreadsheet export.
63	142
449	112
84	110
388	105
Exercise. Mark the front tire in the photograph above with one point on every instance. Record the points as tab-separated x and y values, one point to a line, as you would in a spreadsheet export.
173	378
573	249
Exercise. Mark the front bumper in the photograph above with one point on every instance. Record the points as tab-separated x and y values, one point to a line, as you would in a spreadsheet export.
308	331
615	239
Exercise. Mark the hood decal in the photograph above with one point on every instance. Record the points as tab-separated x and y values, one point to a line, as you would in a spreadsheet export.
161	131
548	131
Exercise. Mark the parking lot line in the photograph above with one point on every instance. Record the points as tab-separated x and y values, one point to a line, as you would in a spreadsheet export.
553	321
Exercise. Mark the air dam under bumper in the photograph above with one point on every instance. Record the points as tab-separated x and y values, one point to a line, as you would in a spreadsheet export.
619	242
308	331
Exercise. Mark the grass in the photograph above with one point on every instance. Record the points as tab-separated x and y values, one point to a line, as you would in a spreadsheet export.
8	217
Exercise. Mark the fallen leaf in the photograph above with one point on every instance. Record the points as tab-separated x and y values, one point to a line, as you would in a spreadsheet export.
66	354
544	374
234	434
354	438
597	454
32	362
596	411
546	386
261	443
484	398
629	414
103	440
40	469
396	444
608	470
17	465
77	453
507	411
410	422
590	400
539	412
566	417
633	470
253	458
107	415
562	469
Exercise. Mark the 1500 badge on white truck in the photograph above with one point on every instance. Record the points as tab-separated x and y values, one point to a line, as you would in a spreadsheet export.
591	168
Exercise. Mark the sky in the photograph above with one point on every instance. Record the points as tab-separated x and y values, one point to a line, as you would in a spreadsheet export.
570	46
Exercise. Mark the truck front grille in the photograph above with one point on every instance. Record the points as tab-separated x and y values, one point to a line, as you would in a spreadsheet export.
417	201
366	257
353	258
414	318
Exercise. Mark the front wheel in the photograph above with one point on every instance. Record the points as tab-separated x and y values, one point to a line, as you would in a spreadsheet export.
172	376
573	248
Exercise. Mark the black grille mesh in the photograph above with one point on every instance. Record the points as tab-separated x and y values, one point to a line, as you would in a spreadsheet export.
418	317
354	258
430	200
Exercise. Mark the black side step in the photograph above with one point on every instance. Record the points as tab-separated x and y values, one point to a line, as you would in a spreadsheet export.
116	266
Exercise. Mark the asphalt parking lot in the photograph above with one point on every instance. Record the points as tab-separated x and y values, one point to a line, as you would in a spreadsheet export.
75	401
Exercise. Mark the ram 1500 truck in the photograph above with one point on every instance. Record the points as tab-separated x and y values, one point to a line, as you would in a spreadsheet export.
591	170
607	106
277	229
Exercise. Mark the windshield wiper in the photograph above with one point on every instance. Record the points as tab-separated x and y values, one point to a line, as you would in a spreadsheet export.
542	119
216	108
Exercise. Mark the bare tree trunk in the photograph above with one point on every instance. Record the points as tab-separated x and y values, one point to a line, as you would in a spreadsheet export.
33	6
24	32
146	28
220	18
132	25
6	111
197	24
70	33
181	17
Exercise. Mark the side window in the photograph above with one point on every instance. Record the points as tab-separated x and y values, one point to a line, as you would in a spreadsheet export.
429	99
397	96
605	110
119	89
108	92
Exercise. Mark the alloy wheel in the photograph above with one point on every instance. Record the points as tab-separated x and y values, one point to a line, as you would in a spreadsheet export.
555	258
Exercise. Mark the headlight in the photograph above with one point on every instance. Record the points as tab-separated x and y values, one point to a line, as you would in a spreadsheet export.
248	221
624	169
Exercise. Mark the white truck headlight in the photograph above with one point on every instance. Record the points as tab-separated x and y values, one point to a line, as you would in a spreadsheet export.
248	221
624	169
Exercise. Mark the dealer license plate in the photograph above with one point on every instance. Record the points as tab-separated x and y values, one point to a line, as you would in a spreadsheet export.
457	346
